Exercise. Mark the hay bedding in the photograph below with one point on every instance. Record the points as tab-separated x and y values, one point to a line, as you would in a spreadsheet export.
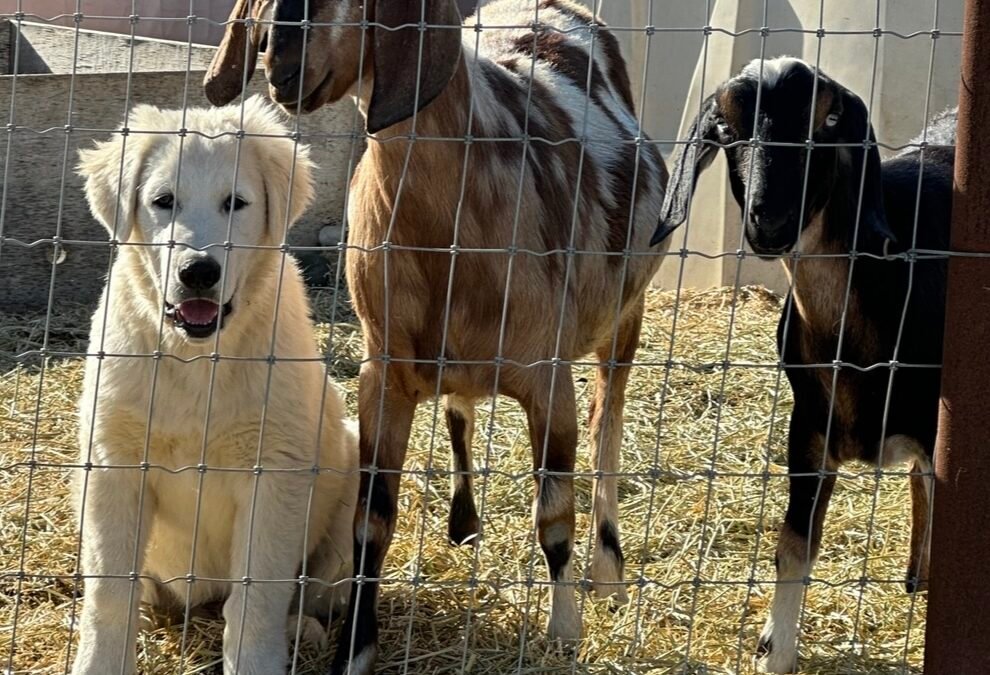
696	530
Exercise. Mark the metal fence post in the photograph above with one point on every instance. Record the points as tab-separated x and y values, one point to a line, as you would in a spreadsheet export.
958	632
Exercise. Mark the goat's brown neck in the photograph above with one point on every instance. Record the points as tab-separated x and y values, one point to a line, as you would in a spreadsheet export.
443	118
818	284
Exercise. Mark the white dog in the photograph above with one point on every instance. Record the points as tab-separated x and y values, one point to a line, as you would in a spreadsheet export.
203	459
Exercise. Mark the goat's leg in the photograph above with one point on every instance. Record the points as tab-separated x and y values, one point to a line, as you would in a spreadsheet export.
606	446
553	434
797	546
463	526
385	414
921	536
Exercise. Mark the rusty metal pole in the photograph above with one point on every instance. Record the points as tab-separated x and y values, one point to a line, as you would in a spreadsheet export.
958	633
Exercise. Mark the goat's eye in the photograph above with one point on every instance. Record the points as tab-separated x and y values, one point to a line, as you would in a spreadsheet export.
832	120
164	201
233	203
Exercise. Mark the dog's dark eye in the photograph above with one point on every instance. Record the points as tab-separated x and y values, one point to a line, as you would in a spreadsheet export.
233	203
165	201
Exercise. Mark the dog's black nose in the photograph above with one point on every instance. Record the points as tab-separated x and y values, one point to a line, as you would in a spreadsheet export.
200	274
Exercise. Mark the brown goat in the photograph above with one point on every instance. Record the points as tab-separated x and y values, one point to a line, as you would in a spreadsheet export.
479	268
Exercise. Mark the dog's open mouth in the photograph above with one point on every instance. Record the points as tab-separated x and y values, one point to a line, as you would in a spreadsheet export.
198	317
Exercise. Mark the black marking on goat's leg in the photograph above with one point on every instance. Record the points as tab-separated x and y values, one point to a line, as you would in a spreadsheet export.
608	538
371	539
463	524
557	555
556	525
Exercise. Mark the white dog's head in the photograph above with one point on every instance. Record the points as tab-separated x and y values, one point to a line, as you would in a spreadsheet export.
144	192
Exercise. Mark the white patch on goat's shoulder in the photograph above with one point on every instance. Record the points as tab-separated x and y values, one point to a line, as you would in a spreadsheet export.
590	122
772	69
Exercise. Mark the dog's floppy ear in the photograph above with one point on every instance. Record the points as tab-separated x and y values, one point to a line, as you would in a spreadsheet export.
856	128
112	171
691	161
276	156
234	61
399	75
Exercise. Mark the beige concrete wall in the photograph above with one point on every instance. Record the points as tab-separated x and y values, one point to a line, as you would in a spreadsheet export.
116	14
41	48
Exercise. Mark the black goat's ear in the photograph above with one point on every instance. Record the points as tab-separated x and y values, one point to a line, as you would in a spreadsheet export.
692	158
873	226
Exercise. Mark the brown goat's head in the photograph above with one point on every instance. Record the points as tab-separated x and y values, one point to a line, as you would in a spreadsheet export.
308	66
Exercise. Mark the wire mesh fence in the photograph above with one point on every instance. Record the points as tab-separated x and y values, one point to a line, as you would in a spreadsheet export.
175	472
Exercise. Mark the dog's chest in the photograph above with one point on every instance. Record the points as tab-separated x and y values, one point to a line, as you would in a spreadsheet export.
187	413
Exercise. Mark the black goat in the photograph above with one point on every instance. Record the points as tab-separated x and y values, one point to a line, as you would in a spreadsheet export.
844	314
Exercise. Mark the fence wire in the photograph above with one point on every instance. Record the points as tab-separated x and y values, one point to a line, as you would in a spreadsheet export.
703	473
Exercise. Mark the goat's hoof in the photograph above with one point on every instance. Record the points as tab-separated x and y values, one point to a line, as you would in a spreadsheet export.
464	531
616	594
565	629
362	663
915	585
606	573
770	661
463	524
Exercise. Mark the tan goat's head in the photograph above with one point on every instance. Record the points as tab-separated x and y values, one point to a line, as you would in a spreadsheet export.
308	66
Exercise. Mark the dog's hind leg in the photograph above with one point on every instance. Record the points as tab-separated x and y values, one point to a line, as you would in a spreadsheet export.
116	515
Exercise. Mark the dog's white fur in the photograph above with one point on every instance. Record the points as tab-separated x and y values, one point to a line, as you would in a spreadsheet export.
250	414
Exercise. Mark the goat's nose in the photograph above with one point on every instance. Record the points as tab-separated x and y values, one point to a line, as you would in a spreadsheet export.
284	75
759	211
200	274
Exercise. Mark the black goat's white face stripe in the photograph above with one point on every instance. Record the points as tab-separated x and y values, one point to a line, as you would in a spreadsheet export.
771	69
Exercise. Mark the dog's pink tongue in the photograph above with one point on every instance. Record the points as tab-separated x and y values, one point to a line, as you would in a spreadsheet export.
199	312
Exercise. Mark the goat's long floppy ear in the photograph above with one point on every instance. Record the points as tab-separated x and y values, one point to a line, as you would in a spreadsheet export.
398	71
112	170
236	55
691	161
873	226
